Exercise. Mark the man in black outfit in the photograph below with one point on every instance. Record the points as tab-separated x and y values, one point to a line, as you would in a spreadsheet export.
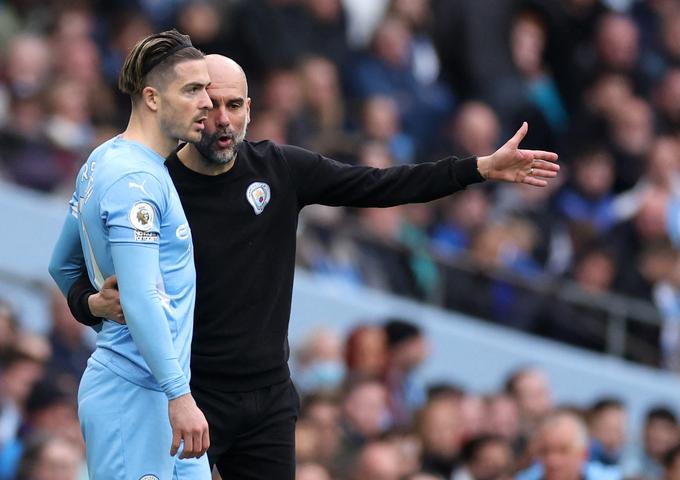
242	200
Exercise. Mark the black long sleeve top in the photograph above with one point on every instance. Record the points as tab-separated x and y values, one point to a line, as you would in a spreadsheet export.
244	226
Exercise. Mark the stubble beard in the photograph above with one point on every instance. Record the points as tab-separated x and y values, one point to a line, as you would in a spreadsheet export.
207	146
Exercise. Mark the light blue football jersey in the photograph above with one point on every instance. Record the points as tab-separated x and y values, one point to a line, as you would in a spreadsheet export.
125	201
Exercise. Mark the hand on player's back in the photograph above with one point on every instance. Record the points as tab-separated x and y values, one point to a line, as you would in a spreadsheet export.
106	303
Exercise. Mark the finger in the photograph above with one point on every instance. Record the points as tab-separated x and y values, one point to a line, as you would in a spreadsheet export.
540	173
545	165
175	443
536	182
518	136
188	451
110	282
206	441
542	155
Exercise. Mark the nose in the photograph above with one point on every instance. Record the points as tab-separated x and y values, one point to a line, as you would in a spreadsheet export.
204	101
222	116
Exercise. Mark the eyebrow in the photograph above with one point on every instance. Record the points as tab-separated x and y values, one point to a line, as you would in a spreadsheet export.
237	100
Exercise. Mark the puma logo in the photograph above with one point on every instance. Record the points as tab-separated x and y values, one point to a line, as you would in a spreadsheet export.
138	185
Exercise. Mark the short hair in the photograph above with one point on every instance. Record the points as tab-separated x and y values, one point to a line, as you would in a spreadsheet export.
154	55
661	413
399	330
559	416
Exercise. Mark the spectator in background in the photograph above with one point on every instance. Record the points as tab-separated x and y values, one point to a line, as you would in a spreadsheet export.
661	433
502	419
440	429
671	463
51	458
320	363
70	349
536	95
630	135
9	328
475	128
386	70
407	348
607	420
19	371
377	460
460	218
588	198
365	416
311	471
668	102
561	445
529	387
380	122
485	457
366	351
322	411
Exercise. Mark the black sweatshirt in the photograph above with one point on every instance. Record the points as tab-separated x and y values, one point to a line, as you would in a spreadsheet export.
244	226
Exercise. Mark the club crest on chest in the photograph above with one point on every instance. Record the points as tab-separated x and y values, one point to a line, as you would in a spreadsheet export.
258	195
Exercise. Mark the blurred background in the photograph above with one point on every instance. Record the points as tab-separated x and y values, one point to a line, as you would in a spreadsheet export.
428	341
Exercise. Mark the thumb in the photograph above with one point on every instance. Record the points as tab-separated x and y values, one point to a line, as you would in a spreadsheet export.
111	282
519	135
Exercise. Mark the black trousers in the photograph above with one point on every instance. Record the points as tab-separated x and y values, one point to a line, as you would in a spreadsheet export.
252	434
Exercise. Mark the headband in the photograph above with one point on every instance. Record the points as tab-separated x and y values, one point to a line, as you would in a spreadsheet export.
151	65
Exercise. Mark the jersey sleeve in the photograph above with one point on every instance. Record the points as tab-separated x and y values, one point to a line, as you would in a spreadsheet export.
132	210
67	259
319	179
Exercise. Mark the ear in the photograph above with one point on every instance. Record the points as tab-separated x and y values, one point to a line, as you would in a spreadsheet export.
248	111
150	98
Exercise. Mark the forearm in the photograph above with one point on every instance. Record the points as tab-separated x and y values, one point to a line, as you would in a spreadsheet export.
67	260
137	268
77	300
322	180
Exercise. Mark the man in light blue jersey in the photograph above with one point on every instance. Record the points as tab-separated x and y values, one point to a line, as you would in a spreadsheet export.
126	218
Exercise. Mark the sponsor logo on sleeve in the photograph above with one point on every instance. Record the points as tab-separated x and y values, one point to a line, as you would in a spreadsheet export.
258	195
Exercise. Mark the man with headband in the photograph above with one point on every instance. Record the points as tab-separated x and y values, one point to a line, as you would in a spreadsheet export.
126	219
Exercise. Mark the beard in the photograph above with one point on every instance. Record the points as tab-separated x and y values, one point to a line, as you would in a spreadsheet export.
208	148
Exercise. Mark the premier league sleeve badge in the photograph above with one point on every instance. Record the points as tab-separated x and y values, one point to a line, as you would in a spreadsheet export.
258	195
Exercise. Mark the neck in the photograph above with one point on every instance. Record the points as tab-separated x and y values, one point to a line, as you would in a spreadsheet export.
193	160
145	130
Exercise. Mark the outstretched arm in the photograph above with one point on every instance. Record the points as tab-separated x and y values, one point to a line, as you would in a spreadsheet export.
319	179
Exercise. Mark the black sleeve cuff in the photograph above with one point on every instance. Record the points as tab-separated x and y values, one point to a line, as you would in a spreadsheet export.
466	171
77	301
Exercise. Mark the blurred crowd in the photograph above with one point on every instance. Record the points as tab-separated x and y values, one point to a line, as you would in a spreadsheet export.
381	83
392	82
366	414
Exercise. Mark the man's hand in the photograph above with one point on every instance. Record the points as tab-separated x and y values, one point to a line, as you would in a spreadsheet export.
512	164
189	424
106	303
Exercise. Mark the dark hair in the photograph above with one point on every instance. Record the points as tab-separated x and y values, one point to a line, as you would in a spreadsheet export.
661	413
472	447
154	55
399	330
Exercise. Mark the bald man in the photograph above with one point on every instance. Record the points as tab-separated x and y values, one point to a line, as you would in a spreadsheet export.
242	200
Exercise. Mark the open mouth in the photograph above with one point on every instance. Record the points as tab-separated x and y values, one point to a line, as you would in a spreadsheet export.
224	141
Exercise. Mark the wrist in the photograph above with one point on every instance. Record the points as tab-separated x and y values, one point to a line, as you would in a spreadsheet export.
92	305
484	166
